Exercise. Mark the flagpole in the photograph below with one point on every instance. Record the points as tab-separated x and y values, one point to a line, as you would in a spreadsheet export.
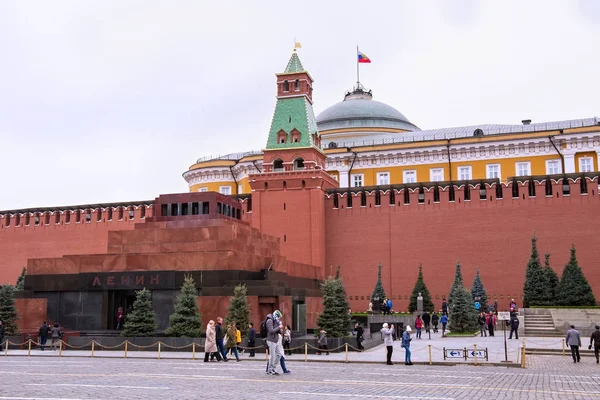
357	71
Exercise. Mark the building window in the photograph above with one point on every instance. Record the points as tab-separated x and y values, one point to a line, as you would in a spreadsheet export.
286	86
585	164
203	189
464	173
409	176
553	167
357	180
383	178
436	174
299	163
278	165
493	171
131	213
240	188
523	168
225	190
297	85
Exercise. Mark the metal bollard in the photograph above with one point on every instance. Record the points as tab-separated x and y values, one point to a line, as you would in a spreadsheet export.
305	351
346	352
6	348
126	348
475	352
193	350
60	348
29	349
159	350
563	346
430	362
93	342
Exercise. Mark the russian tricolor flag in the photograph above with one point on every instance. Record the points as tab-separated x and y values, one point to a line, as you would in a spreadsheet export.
362	58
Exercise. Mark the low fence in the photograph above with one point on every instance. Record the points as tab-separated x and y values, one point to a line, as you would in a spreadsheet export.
126	346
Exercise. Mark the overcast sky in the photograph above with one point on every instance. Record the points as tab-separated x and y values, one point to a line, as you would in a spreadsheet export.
106	100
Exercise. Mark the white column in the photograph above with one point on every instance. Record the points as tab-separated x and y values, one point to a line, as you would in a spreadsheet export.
343	179
569	163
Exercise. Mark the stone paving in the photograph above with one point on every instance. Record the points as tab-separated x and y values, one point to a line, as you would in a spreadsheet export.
33	378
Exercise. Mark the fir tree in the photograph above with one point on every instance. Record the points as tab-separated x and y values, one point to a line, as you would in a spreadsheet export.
185	320
239	309
478	292
8	312
533	289
140	321
574	289
458	282
335	318
550	283
21	280
463	318
345	319
420	287
378	292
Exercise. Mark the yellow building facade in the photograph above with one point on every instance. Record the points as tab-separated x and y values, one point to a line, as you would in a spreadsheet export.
369	143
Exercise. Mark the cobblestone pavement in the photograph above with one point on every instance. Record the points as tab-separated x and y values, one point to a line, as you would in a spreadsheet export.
547	377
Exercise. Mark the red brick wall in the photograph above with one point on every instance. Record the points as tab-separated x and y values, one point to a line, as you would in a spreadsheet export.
17	244
493	235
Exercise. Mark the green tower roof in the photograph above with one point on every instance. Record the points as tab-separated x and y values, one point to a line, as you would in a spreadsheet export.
293	113
294	65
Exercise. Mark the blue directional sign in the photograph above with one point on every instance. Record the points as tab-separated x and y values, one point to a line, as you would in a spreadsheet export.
480	353
455	353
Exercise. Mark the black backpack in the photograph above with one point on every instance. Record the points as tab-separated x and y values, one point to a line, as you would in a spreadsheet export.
264	331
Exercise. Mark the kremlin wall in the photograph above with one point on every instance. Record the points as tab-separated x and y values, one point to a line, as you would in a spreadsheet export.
355	186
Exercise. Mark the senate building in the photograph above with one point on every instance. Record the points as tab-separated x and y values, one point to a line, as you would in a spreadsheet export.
356	186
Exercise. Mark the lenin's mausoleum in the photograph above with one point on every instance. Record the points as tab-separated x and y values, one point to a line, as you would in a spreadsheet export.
355	186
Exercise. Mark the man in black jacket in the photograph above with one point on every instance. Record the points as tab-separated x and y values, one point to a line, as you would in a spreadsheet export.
219	337
251	339
43	334
426	320
360	332
595	340
514	325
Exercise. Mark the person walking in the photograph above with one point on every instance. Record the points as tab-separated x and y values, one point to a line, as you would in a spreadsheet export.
426	321
273	328
219	336
435	319
251	339
360	332
120	318
513	305
444	322
481	320
419	326
43	335
55	335
491	323
388	341
573	340
231	344
406	344
514	325
287	340
238	341
210	344
322	342
444	306
594	340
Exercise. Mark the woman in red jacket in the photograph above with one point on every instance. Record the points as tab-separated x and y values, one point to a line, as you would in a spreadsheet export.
419	326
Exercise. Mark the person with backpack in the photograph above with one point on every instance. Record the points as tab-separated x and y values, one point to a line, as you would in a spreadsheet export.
270	329
435	319
251	339
444	322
